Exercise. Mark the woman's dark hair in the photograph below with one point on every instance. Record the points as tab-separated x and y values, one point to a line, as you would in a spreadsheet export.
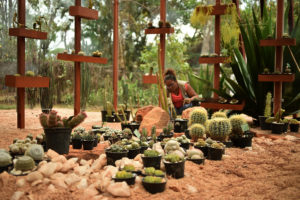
170	75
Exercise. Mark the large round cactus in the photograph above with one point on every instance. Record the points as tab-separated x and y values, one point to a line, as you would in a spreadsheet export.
197	131
35	151
5	159
219	114
198	116
219	128
236	122
24	163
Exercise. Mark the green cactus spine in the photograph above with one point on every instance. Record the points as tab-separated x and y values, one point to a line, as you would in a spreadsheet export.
35	151
197	131
198	116
5	159
267	112
219	129
219	114
236	122
24	163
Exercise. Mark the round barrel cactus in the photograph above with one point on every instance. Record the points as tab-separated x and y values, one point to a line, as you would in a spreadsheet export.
236	122
24	163
197	131
5	159
219	128
198	116
219	114
35	151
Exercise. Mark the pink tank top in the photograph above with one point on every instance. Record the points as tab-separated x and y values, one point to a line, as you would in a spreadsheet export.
178	99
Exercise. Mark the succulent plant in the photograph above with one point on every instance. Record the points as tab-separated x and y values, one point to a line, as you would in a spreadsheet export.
153	133
144	144
173	158
285	35
44	120
270	120
116	148
197	131
5	159
133	145
76	120
124	174
219	114
183	139
35	151
200	143
217	145
219	128
267	112
149	171
24	163
97	53
29	136
79	130
287	68
81	53
195	154
127	132
158	172
150	25
29	73
109	108
153	179
129	168
198	116
294	121
236	122
213	55
87	136
76	136
151	153
266	71
209	141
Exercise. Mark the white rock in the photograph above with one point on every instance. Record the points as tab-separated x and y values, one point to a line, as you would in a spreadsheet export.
95	175
68	165
59	159
72	178
91	191
109	172
291	138
51	188
138	158
191	189
21	182
75	159
119	189
33	176
83	162
36	183
17	195
46	181
57	176
99	163
103	184
99	197
158	148
58	166
126	161
42	163
48	169
52	154
82	184
82	170
59	182
138	179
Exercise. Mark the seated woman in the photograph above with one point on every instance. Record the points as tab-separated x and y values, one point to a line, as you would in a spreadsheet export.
182	94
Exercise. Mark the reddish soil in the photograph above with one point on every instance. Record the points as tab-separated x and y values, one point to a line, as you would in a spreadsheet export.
268	170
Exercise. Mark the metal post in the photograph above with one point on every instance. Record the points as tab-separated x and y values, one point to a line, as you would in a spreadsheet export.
116	52
77	64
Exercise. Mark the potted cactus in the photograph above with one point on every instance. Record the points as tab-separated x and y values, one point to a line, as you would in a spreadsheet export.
219	129
133	149
174	165
126	176
215	151
184	142
294	125
76	139
115	152
267	113
278	125
5	161
109	116
23	165
202	145
88	141
219	114
151	171
180	125
154	184
127	133
239	137
36	152
151	158
167	132
196	156
58	130
197	131
198	116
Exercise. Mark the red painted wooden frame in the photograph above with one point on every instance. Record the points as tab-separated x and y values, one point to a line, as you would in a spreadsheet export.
276	77
217	9
78	58
213	60
213	104
83	12
27	33
26	81
159	30
149	79
278	42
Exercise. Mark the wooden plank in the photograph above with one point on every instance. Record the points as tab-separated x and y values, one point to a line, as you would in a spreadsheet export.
82	12
278	42
216	10
27	33
213	104
78	58
26	81
276	78
159	30
214	60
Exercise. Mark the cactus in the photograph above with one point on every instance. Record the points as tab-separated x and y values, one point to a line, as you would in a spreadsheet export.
217	145
30	136
76	136
133	145
173	158
129	168
124	174
151	153
116	148
200	143
159	173
150	171
5	159
293	121
153	133
219	114
195	154
35	151
24	163
44	120
144	135
87	137
278	115
109	108
152	179
236	122
267	112
76	120
127	132
198	116
219	128
197	131
52	120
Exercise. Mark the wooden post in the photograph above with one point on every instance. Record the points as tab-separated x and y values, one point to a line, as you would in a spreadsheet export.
162	36
77	64
217	51
278	56
21	66
116	52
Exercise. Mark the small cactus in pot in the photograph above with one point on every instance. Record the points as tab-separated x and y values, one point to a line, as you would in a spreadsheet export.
35	151
236	122
219	129
197	131
198	116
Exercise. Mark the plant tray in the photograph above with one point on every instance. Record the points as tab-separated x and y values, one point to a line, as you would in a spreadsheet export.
214	60
278	42
214	104
26	81
78	58
217	10
276	78
149	79
78	11
159	30
27	33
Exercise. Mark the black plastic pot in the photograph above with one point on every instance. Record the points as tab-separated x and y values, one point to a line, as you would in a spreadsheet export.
214	154
95	141
187	133
88	144
277	128
143	149
182	125
110	118
58	139
76	144
96	127
112	157
154	187
228	144
129	181
5	168
123	126
203	149
151	161
185	145
285	127
134	126
113	140
294	128
46	110
242	141
103	115
262	123
255	122
195	103
132	153
197	161
162	136
176	170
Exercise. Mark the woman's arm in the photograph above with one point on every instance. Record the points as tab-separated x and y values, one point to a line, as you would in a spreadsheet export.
191	93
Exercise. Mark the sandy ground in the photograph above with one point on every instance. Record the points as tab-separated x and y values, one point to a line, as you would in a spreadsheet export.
268	170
